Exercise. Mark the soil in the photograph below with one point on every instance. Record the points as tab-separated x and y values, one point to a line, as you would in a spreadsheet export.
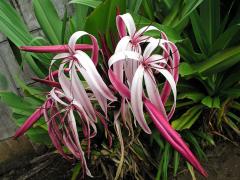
223	164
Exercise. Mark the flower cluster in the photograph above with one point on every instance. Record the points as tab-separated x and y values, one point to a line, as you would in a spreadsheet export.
135	68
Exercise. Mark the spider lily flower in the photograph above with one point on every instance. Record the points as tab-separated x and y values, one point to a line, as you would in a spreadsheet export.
131	38
62	126
58	111
77	60
147	65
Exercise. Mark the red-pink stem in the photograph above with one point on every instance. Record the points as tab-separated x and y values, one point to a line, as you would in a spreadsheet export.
55	48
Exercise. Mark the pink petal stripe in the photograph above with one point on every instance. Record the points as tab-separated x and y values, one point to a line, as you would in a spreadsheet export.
172	136
118	85
55	48
121	26
128	22
32	119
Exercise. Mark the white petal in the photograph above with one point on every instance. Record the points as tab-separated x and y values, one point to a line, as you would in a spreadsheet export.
124	55
80	94
141	31
153	92
93	75
136	99
73	39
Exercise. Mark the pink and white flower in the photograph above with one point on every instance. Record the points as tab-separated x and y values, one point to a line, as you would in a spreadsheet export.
132	72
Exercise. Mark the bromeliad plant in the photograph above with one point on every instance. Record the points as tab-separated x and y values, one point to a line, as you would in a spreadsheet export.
133	69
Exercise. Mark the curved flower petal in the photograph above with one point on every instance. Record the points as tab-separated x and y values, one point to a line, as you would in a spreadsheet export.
172	84
118	85
129	23
153	94
124	55
93	75
73	40
64	81
81	96
136	99
99	96
144	29
174	65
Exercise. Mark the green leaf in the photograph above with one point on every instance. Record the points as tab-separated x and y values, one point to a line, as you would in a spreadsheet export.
195	96
37	134
79	17
163	166
188	118
64	26
141	21
102	19
30	90
232	125
12	25
89	3
191	170
31	62
199	32
232	92
220	61
76	171
134	6
225	38
148	9
210	14
176	161
180	12
14	101
207	101
231	78
157	138
166	160
191	139
48	19
185	69
187	52
205	136
216	102
233	116
211	102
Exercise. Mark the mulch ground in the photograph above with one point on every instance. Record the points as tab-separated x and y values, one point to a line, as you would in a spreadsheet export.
223	164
